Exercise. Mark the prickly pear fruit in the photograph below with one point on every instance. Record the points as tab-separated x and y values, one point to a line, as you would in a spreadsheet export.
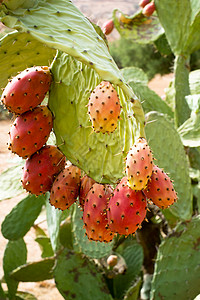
126	209
41	168
86	184
139	165
108	27
65	188
160	189
94	214
104	108
27	90
149	9
143	3
30	131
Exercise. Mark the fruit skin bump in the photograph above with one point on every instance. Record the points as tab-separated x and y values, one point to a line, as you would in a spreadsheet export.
126	209
160	189
94	214
139	164
30	131
27	90
65	189
41	168
104	108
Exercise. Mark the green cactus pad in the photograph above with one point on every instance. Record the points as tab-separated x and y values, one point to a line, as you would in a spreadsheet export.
101	156
77	277
140	29
19	51
180	19
177	269
22	216
169	153
15	255
81	242
34	271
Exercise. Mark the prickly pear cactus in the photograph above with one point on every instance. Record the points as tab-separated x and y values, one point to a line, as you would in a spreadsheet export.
177	265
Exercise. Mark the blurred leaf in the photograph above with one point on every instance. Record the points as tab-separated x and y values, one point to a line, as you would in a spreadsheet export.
19	50
180	273
190	131
24	296
150	100
140	29
180	20
133	291
15	255
162	45
194	80
78	277
170	155
65	234
135	74
146	286
18	222
53	222
45	245
82	243
2	293
34	271
10	182
133	256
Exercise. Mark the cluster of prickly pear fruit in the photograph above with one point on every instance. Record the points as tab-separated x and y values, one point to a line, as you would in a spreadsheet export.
104	108
31	128
143	175
148	7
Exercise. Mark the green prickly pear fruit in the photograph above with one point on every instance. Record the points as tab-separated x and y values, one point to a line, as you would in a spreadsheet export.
139	165
41	168
65	188
94	214
85	185
27	90
160	189
30	131
126	209
104	108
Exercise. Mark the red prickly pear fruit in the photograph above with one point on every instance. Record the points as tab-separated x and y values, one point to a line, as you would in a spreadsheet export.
126	209
143	3
86	184
65	188
30	131
104	108
139	165
149	9
27	90
160	189
41	168
108	27
94	214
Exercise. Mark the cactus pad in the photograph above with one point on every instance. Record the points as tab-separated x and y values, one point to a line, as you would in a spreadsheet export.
177	265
